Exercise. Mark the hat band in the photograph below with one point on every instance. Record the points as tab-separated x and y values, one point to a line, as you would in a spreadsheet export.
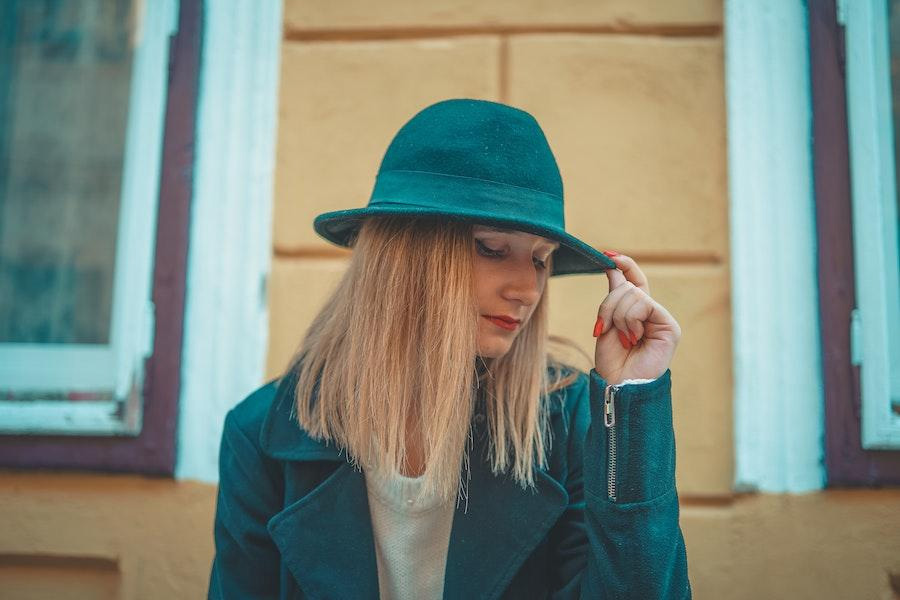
455	192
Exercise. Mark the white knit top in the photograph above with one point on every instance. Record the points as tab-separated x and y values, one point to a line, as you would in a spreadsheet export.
412	535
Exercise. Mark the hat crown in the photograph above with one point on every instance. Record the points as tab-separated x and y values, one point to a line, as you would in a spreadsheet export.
474	160
479	139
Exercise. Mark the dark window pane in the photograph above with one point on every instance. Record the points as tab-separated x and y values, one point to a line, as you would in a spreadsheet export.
65	71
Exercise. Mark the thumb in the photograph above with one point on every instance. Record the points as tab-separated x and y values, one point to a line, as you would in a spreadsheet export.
615	277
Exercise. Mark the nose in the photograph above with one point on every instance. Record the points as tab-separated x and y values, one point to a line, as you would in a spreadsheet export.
522	284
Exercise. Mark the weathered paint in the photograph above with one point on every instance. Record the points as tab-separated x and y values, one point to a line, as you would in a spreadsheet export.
226	317
778	396
876	339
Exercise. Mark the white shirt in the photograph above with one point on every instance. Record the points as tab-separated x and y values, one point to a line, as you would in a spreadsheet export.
412	535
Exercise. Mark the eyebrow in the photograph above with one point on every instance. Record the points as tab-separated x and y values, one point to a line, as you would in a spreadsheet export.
555	245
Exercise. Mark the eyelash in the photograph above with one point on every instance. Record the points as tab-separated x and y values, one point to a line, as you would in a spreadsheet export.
485	251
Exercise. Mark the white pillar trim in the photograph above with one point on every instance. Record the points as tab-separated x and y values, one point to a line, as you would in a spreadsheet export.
778	394
226	320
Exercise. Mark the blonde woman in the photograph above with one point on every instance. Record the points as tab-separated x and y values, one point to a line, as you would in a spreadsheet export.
428	440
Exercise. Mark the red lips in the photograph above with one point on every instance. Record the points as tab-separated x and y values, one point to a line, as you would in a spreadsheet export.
505	318
503	321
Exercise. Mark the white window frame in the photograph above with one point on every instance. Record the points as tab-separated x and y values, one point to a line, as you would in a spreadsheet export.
111	374
875	326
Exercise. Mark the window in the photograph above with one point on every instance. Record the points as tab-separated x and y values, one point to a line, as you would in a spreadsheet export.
98	101
856	216
872	31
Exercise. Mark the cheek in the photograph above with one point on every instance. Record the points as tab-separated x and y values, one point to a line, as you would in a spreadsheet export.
485	282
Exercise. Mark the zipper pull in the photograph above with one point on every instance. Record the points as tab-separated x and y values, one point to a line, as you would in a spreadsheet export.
609	409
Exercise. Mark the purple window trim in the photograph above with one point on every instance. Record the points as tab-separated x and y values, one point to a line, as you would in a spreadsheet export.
153	451
846	462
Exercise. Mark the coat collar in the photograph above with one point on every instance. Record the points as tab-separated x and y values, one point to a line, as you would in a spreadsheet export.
326	538
282	438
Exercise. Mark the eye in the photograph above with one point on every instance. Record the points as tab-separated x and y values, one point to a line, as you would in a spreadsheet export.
540	263
485	251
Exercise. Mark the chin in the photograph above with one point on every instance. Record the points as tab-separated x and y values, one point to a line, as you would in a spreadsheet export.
493	349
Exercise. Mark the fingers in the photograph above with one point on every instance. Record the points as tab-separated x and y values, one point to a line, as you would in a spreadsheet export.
609	305
627	270
628	303
661	316
630	313
626	308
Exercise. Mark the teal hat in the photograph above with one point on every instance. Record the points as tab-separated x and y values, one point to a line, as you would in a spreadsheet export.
478	161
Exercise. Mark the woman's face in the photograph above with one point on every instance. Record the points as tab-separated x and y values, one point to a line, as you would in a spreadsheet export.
510	275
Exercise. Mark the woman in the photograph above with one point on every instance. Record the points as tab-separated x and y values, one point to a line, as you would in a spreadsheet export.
426	442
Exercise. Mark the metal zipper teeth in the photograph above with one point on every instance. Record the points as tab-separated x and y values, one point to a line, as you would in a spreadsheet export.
609	419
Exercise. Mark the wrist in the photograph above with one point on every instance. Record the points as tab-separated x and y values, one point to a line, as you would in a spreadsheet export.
627	380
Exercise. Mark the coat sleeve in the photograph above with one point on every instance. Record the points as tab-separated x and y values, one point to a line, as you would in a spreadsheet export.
246	561
620	536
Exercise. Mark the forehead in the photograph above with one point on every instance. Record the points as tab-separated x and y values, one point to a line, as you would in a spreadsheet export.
492	229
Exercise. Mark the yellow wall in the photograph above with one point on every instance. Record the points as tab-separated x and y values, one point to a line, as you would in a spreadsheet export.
103	536
631	96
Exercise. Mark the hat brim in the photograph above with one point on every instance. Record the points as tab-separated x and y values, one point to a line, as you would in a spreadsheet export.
572	257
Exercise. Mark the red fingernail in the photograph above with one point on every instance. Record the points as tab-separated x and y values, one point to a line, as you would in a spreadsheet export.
610	253
633	338
624	340
598	326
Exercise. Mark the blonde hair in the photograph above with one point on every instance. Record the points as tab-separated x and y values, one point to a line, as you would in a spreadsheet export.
394	347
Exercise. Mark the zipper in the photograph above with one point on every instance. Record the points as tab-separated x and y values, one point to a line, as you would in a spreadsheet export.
609	419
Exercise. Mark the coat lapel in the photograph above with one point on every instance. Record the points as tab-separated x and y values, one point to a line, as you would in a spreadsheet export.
500	528
326	541
325	537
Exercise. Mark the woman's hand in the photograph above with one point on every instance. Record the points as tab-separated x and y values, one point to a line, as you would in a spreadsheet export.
636	336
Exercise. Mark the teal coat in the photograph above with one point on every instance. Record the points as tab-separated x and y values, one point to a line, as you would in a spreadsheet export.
292	517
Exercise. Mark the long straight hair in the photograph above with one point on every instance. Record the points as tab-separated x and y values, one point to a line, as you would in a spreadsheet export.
394	348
